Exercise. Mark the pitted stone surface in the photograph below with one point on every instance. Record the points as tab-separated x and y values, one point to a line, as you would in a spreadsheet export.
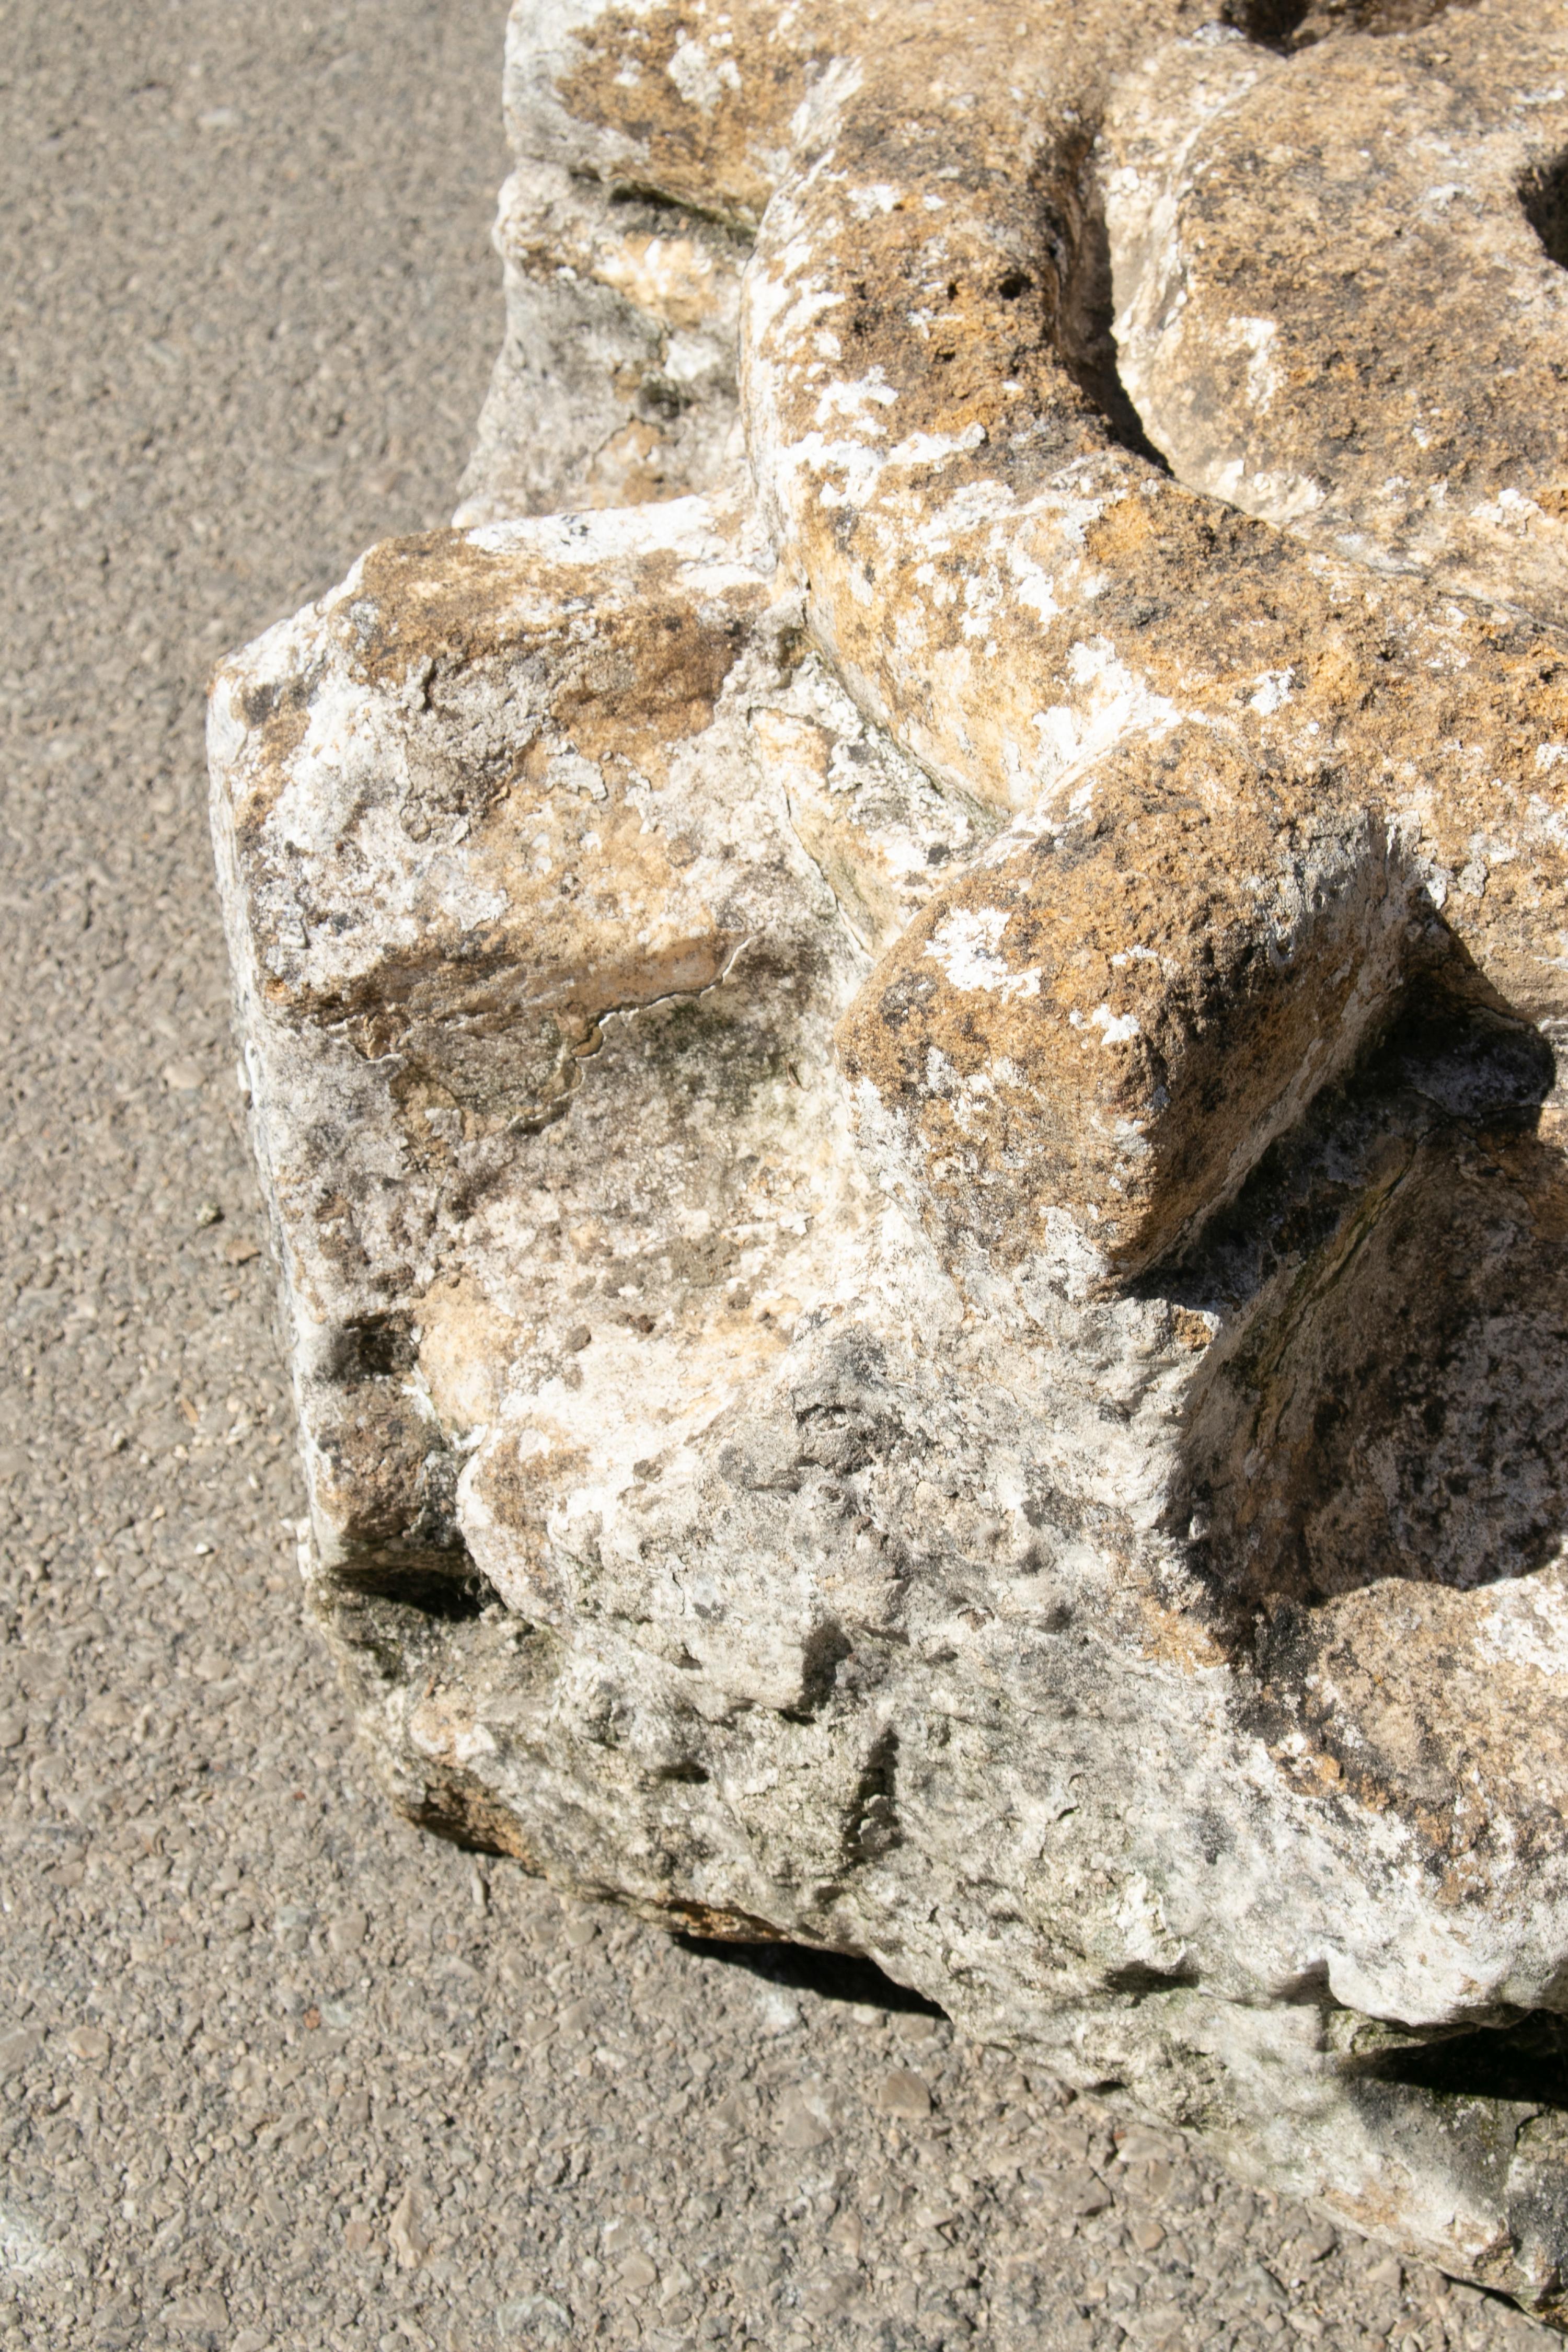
906	1060
1355	334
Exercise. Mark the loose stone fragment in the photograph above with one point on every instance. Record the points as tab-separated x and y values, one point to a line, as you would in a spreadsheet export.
17	2050
406	2231
902	2093
901	1012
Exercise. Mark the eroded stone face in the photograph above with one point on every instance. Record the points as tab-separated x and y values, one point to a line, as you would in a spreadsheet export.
902	1017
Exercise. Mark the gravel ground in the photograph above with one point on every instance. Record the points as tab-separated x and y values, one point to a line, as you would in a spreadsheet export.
274	2068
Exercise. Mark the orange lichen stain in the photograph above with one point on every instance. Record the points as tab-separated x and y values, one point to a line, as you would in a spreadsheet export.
457	1806
1173	1639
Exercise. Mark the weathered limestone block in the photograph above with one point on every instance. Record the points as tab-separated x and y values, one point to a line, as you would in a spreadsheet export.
902	1013
1402	402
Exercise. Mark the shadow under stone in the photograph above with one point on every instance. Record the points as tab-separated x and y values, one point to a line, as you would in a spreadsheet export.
1527	2063
1391	1400
831	1976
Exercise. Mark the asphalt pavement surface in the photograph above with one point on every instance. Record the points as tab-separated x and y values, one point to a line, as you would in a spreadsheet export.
275	2069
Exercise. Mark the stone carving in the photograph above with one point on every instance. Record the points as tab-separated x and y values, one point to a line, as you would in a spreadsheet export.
902	1017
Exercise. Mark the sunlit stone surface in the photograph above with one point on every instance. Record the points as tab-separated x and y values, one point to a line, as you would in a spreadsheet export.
901	1012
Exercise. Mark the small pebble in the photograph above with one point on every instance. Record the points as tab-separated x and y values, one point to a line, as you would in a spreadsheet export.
905	2095
914	2025
17	2050
345	1932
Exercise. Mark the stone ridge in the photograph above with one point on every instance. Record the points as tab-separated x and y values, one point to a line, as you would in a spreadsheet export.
907	1083
1399	399
1243	771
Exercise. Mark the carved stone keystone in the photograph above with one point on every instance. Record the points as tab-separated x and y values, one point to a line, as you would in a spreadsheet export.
901	1012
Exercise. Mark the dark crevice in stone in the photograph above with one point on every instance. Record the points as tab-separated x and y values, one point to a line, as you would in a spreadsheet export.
1287	25
872	1825
1075	246
1139	1979
379	1347
1272	23
662	396
461	1810
1309	1990
1358	1420
1544	197
449	1587
823	1652
641	195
